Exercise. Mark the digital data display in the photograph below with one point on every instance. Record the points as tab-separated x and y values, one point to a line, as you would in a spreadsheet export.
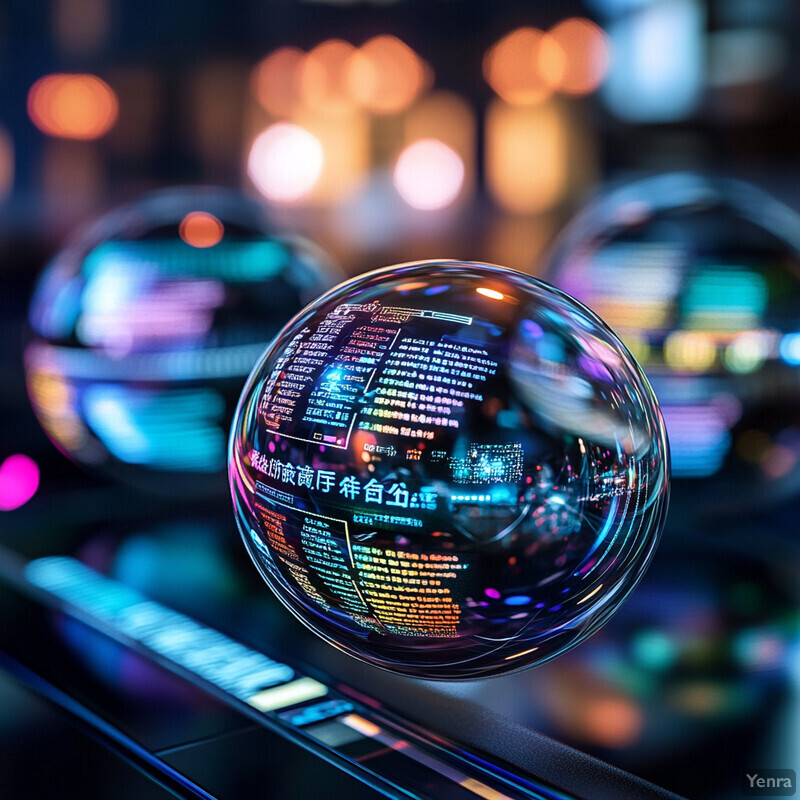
443	467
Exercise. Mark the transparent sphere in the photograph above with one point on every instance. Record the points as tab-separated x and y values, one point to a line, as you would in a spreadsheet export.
144	326
449	470
700	277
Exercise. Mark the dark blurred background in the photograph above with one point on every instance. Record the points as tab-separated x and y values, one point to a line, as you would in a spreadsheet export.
395	130
536	103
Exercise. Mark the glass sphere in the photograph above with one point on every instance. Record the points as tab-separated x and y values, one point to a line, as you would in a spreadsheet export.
449	470
144	326
700	277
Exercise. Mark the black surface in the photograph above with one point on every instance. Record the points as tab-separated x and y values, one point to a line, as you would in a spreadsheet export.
44	755
139	698
434	707
259	764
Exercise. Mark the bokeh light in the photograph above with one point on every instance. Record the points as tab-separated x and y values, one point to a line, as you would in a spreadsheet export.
385	75
449	470
429	175
574	56
19	480
660	62
612	721
528	159
201	229
285	162
276	80
345	140
324	76
690	350
72	106
450	119
512	67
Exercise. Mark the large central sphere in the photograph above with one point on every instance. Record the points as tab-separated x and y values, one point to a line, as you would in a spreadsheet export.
449	470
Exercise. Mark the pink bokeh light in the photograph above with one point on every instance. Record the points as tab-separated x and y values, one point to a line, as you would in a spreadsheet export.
19	480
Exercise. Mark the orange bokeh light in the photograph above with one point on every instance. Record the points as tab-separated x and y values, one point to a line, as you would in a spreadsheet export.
276	80
512	67
324	76
574	56
201	229
528	163
612	721
72	106
385	75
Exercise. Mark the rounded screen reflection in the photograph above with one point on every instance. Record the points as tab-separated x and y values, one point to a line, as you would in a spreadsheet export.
144	326
700	277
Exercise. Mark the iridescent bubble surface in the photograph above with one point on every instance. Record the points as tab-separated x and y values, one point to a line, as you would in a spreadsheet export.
144	326
449	470
700	277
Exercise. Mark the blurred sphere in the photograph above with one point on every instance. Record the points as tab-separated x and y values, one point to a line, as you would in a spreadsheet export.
700	277
144	326
449	470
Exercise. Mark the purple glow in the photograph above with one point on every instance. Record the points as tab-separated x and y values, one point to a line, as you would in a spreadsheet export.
493	593
595	368
19	480
533	329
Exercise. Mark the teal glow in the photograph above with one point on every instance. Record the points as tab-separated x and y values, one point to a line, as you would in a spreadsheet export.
654	650
179	429
727	297
229	261
203	651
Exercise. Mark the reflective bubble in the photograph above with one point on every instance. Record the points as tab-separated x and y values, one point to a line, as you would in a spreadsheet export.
700	277
449	470
144	326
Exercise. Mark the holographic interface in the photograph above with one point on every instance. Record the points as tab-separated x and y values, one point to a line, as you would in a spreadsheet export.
144	326
699	276
449	469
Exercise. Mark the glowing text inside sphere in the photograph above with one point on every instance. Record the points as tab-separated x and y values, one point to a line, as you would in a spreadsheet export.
449	470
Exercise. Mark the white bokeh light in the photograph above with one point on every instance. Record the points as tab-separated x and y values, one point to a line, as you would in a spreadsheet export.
429	175
285	162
